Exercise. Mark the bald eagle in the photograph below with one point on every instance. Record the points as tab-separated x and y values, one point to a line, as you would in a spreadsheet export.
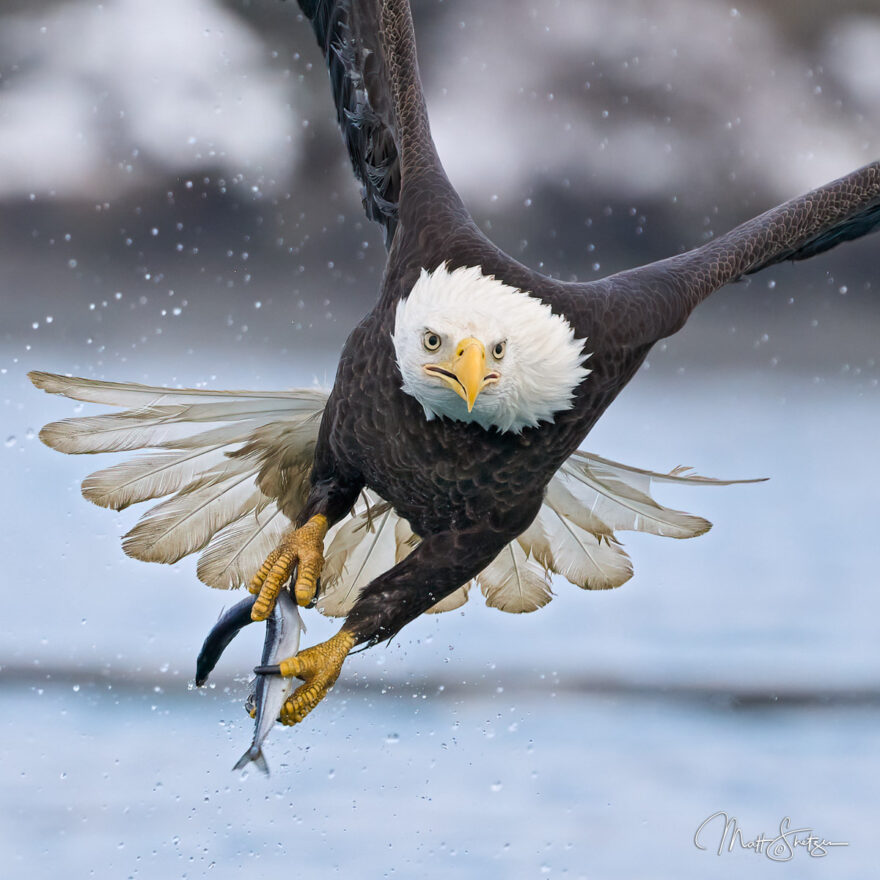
446	453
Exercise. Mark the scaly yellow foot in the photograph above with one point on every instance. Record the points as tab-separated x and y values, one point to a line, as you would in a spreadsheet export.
301	549
318	667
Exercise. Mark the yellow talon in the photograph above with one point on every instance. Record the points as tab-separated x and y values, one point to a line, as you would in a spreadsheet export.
318	667
301	549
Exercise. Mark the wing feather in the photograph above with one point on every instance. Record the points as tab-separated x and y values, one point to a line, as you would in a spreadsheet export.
156	427
664	293
186	522
513	582
348	34
149	476
137	396
362	548
589	561
238	550
618	501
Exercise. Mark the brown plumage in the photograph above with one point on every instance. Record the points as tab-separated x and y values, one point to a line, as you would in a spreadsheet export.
468	493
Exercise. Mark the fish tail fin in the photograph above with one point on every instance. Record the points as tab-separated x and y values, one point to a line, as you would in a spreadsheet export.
255	754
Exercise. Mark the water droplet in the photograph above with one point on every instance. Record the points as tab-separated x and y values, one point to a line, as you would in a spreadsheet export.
496	786
10	440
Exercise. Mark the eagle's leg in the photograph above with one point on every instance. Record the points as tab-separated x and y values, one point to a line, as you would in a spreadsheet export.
301	549
439	565
318	667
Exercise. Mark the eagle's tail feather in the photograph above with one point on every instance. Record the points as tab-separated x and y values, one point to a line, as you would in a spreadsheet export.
358	549
586	502
588	560
236	462
514	581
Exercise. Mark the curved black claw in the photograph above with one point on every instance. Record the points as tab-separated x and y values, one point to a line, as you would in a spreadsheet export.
317	594
272	669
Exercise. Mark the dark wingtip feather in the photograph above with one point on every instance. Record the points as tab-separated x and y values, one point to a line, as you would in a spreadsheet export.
367	137
856	226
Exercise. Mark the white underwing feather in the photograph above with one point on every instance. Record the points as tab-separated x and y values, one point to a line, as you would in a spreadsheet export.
586	501
187	522
513	582
379	551
237	551
579	508
153	427
681	474
582	558
623	506
116	432
133	394
217	502
361	549
149	476
620	496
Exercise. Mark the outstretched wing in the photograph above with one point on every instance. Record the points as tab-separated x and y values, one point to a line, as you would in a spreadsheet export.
348	34
653	301
369	48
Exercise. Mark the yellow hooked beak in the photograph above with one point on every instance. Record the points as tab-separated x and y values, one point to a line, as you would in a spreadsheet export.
466	374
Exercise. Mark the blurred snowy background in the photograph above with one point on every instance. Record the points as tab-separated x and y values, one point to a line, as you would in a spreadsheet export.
176	208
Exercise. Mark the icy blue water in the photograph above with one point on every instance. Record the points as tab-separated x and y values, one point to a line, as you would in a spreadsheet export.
120	783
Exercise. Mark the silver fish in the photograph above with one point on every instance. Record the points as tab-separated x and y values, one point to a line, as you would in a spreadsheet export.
283	630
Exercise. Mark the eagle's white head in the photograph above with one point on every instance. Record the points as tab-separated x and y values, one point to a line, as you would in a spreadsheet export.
471	348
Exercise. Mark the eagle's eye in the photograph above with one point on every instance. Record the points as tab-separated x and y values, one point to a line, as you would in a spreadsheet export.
431	340
498	351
